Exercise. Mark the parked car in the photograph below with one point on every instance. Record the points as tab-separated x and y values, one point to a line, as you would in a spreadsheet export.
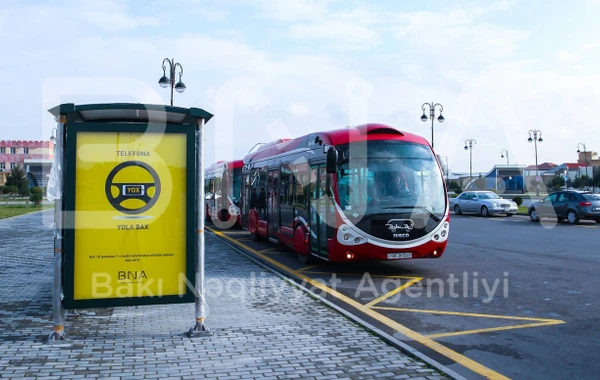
485	203
571	205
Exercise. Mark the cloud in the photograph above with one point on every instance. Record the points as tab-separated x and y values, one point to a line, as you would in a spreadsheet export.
292	10
347	35
568	57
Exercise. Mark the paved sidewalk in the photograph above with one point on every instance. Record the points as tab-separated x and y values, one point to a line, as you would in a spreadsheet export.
263	327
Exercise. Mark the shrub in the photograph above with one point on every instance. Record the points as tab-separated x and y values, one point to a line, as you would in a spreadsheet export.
518	200
36	195
458	191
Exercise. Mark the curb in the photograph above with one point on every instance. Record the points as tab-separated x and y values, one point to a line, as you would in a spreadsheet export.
406	349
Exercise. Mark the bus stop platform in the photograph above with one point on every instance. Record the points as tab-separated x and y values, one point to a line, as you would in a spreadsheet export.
261	326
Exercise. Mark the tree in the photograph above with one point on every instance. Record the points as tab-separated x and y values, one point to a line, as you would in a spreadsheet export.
556	183
454	185
596	182
10	190
582	181
36	195
18	179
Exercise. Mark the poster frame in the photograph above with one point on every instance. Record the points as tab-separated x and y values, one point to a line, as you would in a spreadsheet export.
72	130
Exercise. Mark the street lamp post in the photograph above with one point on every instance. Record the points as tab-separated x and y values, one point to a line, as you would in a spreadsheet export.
165	81
432	115
586	163
502	156
535	135
469	145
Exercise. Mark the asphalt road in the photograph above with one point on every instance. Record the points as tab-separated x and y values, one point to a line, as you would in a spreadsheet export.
523	302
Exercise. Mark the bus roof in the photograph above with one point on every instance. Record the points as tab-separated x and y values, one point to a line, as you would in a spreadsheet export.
372	131
221	165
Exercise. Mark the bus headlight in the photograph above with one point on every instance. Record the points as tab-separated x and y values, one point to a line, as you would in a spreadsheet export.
348	236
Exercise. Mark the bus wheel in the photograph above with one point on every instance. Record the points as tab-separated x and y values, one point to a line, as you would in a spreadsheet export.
305	258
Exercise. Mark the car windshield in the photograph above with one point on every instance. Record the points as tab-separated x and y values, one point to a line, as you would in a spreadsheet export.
488	195
390	177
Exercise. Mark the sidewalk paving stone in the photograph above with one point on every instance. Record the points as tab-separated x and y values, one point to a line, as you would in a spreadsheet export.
262	326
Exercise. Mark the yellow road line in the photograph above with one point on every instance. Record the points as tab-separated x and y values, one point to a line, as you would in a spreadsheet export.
359	274
397	290
308	267
271	249
512	327
493	316
430	343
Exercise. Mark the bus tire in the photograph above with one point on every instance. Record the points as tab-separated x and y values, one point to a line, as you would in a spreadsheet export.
305	258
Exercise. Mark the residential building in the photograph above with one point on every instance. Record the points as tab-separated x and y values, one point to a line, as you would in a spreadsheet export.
35	156
590	158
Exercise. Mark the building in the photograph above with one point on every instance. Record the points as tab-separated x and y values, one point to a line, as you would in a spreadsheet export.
589	158
532	171
35	156
570	170
506	179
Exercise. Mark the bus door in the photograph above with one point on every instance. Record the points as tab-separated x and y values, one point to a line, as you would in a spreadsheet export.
322	214
244	199
273	203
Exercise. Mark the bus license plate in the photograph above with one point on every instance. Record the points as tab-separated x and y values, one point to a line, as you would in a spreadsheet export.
403	255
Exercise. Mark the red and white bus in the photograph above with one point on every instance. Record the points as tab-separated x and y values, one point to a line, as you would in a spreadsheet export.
369	192
222	189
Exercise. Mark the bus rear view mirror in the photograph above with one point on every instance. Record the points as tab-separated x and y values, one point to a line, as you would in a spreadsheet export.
332	159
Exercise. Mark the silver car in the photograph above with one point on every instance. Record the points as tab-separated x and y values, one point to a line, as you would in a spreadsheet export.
485	203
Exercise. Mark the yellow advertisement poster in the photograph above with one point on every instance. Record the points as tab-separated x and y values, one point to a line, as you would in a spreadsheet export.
130	215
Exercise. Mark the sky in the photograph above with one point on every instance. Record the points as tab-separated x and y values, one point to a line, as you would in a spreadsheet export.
272	69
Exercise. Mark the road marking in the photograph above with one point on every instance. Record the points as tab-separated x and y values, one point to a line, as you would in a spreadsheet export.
538	321
428	342
271	249
491	329
397	290
359	274
493	316
308	267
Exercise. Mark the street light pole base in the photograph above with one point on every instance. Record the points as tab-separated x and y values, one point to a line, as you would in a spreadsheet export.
58	334
199	330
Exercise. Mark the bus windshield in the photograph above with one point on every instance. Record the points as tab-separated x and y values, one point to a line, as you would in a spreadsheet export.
384	177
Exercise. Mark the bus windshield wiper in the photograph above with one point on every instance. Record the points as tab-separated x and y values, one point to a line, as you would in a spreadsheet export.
427	210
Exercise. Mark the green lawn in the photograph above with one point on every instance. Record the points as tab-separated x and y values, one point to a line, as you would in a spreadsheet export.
523	209
14	210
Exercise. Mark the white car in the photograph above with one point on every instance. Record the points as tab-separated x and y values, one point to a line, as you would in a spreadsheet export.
485	203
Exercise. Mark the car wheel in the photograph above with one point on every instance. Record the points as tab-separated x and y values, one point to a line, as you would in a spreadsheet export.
457	210
572	217
597	220
533	215
485	212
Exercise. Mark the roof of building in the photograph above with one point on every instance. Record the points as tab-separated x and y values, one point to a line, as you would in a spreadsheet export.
543	166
